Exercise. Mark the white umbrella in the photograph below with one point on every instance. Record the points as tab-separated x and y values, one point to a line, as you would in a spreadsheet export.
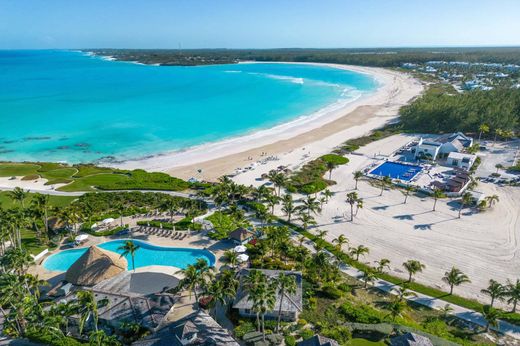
107	221
242	257
81	237
240	248
94	225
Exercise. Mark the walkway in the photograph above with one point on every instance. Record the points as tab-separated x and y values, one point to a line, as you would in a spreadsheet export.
422	299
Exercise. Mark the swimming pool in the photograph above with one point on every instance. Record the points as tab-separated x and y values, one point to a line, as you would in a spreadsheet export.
147	255
396	170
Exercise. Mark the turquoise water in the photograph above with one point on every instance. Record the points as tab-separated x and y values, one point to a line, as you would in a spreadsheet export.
147	255
397	170
67	106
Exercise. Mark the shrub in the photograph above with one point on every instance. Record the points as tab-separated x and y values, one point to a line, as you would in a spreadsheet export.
361	313
301	322
345	287
290	340
341	334
244	327
331	292
335	159
306	334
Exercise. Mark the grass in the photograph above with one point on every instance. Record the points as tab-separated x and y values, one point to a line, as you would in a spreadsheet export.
90	177
56	201
31	243
365	342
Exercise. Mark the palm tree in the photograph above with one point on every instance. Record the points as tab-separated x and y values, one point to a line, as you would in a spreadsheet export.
307	220
498	132
385	182
499	166
495	290
87	307
171	206
231	257
340	241
352	198
310	204
483	128
357	175
129	248
288	206
455	277
327	194
465	200
382	264
278	179
359	205
286	284
320	235
368	276
41	203
224	288
445	311
491	316
513	293
396	308
437	194
19	195
406	191
272	201
492	200
359	251
413	267
330	167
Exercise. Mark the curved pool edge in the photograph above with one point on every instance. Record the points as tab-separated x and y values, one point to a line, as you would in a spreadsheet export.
211	256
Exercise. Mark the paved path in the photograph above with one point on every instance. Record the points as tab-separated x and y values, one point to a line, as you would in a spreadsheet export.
80	193
422	299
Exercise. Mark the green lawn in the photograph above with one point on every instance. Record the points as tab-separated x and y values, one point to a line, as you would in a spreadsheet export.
365	342
90	177
57	201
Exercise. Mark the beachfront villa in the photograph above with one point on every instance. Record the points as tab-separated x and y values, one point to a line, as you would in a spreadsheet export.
292	304
441	146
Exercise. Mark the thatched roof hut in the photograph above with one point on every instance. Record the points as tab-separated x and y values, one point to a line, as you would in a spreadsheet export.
94	266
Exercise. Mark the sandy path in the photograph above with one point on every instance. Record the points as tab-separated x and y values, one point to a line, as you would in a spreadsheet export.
317	135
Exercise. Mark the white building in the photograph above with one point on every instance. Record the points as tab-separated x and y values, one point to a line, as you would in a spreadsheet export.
461	160
442	145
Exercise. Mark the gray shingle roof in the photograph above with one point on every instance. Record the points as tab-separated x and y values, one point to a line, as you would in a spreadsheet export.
199	328
318	340
410	339
290	303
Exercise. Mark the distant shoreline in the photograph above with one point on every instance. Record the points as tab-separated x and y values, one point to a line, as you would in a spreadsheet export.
366	113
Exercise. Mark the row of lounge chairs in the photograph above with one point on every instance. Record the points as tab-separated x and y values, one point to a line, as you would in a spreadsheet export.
161	232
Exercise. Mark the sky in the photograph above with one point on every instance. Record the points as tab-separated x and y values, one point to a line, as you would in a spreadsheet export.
42	24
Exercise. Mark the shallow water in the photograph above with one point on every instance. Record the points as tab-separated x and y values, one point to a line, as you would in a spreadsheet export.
67	106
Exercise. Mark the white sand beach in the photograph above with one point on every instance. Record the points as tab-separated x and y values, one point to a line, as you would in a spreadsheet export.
304	138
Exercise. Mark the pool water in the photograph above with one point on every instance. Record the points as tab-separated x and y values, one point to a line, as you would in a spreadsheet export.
396	170
147	255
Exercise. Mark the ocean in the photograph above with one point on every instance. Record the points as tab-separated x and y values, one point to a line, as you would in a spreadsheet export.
73	107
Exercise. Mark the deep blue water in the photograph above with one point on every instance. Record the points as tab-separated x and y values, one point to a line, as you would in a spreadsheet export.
146	255
396	170
66	106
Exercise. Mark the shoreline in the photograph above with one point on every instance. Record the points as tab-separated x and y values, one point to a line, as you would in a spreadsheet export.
365	113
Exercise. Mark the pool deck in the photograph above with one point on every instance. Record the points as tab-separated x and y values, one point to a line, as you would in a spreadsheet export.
195	240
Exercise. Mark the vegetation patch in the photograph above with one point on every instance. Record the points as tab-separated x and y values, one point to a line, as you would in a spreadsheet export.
310	178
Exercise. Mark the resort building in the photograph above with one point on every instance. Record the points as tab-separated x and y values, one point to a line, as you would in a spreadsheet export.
291	303
460	160
318	340
443	145
116	308
241	236
198	328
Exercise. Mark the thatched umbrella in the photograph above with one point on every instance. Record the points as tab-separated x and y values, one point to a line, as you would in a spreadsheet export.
94	266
